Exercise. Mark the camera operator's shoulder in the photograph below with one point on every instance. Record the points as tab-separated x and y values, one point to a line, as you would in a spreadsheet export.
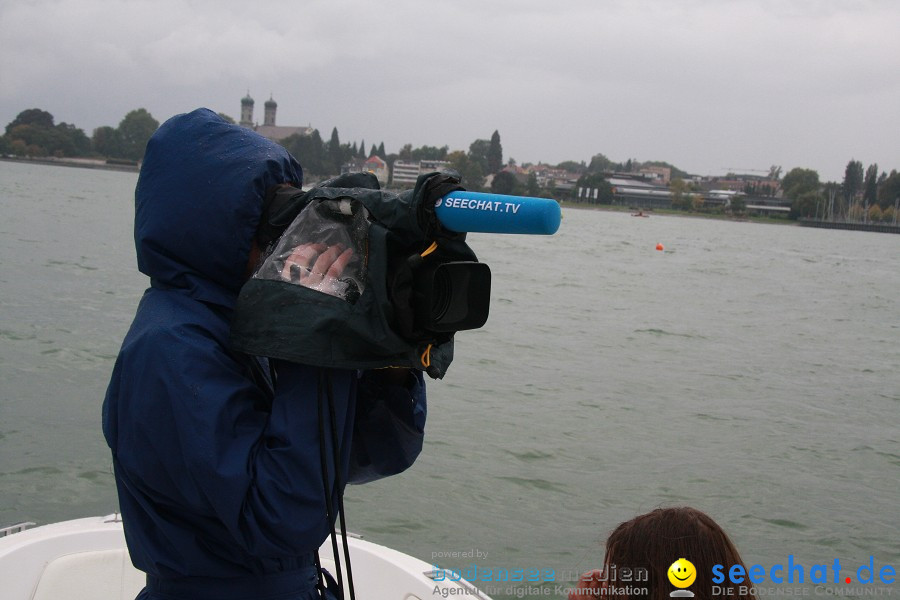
174	322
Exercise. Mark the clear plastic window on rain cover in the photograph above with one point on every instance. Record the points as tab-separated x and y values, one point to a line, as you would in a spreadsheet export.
324	249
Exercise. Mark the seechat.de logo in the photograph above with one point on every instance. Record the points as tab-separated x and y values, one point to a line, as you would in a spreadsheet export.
796	572
682	574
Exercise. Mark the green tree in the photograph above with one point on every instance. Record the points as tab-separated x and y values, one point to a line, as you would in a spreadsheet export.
495	153
134	133
30	140
738	205
33	133
335	154
870	185
478	153
429	153
310	151
799	181
71	141
697	202
106	141
470	171
875	214
889	191
505	182
570	166
594	182
531	187
600	163
680	196
380	152
226	118
805	204
853	180
34	117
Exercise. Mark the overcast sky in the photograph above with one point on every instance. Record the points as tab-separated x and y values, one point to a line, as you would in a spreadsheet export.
705	85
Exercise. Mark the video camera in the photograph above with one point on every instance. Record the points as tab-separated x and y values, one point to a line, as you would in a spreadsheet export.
358	277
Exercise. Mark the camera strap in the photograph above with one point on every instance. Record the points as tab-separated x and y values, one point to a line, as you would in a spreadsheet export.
325	403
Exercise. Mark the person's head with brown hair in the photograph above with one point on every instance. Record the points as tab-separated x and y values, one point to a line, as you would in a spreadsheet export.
651	543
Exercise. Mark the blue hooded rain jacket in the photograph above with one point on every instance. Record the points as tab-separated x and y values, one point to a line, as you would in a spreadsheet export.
216	453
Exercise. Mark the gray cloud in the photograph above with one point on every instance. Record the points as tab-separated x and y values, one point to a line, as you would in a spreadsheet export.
705	85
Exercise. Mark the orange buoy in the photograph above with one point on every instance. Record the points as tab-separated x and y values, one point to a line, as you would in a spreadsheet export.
660	247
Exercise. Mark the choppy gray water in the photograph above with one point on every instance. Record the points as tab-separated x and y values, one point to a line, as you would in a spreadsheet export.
752	371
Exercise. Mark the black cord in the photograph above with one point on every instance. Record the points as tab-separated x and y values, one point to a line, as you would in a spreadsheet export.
327	488
338	482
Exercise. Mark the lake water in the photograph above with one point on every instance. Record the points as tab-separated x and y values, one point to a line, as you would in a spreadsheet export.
749	370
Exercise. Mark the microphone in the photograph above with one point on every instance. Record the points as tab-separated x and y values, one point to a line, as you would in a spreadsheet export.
497	213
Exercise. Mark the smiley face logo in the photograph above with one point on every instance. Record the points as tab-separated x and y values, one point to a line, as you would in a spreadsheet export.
682	573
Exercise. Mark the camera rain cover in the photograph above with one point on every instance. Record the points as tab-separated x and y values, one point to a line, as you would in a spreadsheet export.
325	294
324	249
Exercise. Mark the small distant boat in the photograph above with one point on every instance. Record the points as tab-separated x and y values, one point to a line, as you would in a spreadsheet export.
87	559
639	213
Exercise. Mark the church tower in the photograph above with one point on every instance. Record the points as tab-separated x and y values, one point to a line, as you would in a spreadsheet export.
271	106
247	111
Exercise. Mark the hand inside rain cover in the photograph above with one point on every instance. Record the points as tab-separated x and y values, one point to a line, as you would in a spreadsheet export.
324	249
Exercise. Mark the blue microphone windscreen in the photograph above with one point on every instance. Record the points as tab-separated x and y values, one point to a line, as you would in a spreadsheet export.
496	213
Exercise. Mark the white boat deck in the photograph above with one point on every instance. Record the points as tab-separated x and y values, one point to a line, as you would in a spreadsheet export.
86	559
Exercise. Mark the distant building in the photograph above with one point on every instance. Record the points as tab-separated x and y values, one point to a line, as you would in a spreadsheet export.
406	172
354	165
247	111
516	171
428	166
662	175
552	177
375	165
268	129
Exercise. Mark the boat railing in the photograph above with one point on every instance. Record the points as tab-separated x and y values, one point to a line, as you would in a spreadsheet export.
11	529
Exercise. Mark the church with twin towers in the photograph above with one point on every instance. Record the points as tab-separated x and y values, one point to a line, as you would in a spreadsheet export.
268	129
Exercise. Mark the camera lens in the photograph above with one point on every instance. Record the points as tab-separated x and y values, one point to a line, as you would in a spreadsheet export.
442	294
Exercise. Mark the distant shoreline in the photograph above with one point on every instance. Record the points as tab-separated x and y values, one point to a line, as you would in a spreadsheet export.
87	163
671	212
80	163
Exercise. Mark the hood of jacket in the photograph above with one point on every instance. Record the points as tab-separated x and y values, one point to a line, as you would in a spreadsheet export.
198	202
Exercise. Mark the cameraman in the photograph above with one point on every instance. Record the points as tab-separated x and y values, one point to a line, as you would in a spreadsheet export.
217	454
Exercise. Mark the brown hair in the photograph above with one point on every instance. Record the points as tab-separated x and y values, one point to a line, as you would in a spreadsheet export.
655	540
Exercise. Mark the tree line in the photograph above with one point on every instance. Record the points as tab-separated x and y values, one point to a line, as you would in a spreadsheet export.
863	195
323	159
34	133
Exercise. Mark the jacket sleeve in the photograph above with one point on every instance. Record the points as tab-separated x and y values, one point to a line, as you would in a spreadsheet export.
200	460
389	427
195	447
